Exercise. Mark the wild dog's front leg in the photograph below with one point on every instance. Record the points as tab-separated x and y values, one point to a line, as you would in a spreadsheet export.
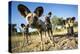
42	42
27	34
52	34
50	39
41	48
27	38
45	40
45	36
23	38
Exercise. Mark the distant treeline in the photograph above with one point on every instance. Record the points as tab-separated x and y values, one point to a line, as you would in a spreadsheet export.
59	20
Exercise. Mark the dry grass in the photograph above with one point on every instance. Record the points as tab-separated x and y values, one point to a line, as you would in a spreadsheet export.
60	43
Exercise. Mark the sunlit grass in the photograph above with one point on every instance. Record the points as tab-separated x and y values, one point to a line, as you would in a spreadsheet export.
19	46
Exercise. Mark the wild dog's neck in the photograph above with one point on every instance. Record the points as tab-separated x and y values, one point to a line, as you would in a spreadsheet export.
35	25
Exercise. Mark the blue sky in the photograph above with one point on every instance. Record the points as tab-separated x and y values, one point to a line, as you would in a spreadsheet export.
60	10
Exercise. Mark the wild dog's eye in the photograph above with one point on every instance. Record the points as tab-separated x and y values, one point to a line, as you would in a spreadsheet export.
29	17
35	17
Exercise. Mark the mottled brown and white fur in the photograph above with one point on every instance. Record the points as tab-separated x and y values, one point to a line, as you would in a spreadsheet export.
34	21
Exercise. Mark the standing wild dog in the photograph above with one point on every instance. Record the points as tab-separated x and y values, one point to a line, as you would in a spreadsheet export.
25	32
48	24
69	24
33	19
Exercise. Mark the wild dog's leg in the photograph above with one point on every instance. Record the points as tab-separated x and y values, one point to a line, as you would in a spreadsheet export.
45	33
44	40
27	33
27	38
49	37
50	29
52	34
45	37
23	38
41	41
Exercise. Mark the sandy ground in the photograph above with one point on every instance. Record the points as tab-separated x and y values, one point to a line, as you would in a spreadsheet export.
19	44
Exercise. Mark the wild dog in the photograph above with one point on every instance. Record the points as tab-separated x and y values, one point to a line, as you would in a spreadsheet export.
33	19
69	23
49	25
25	32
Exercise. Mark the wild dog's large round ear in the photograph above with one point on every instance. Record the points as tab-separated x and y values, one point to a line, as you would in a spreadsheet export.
22	25
73	18
67	19
50	13
23	10
39	11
